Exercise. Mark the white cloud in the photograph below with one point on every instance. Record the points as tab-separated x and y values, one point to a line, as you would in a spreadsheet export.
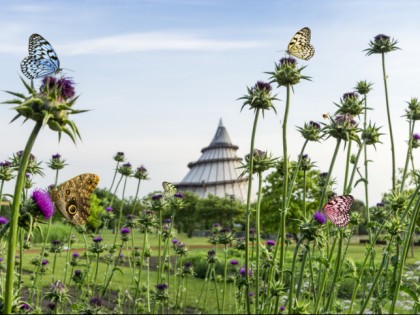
151	42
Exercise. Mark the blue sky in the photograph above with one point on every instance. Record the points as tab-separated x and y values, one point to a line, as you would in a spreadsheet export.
158	76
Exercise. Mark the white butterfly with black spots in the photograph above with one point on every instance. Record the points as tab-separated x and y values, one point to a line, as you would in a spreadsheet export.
42	60
300	45
338	208
169	189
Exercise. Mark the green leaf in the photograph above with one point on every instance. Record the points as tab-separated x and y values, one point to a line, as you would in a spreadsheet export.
12	102
30	88
118	269
360	180
68	132
20	95
413	294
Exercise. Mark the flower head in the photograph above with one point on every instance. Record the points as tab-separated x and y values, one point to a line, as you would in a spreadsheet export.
141	173
43	202
3	220
263	86
363	87
242	271
109	209
311	131
162	286
381	44
95	301
97	239
44	262
287	73
157	197
119	157
179	195
259	97
320	217
271	243
234	262
126	169
56	162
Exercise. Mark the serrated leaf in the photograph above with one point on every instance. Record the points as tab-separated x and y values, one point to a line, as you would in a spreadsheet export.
16	94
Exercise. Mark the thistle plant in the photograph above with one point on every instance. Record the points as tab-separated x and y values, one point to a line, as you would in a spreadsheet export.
50	106
259	98
383	44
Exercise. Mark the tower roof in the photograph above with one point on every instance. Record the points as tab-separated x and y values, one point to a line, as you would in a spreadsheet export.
216	171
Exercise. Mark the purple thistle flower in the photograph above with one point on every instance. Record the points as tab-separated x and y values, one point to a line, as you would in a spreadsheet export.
44	262
251	294
157	197
1	259
282	308
211	253
55	242
179	195
109	209
271	243
288	60
51	306
380	204
350	95
324	174
77	273
188	264
76	255
381	37
315	124
44	203
97	239
260	85
242	271
28	176
66	87
162	286
216	225
95	301
175	241
25	307
3	220
5	164
320	217
128	165
56	156
167	221
234	262
416	136
125	231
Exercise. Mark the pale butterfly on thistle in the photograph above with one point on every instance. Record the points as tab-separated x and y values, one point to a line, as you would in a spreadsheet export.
169	189
300	46
338	208
42	60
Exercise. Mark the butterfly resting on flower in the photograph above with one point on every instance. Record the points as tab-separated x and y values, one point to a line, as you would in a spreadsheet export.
300	45
42	60
338	208
169	189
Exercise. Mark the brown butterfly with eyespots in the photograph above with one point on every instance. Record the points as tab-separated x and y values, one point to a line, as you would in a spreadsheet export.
72	198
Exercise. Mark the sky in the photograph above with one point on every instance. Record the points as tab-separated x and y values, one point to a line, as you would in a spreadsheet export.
158	76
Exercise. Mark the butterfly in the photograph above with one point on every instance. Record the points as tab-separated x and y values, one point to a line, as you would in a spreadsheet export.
337	210
72	197
300	46
42	60
169	189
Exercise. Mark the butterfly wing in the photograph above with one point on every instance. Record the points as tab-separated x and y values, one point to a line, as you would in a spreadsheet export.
42	60
72	198
337	210
300	45
168	189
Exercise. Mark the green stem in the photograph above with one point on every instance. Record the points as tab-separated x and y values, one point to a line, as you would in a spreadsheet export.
346	173
389	122
304	194
121	211
302	270
337	270
283	214
11	251
68	255
291	298
404	252
135	198
295	172
409	150
141	266
1	193
258	248
350	183
248	208
113	270
224	280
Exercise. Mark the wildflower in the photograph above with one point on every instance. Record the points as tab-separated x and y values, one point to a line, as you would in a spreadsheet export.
381	44
262	161
282	308
287	73
311	131
416	141
97	239
188	270
216	228
181	249
320	217
56	246
156	203
179	195
343	127
162	292
148	220
3	220
64	87
175	241
56	162
6	171
109	209
271	243
350	104
44	262
224	236
25	307
363	87
157	197
211	257
167	220
77	276
234	262
240	243
119	157
413	110
95	301
259	97
370	135
242	271
141	173
306	164
125	231
125	169
252	234
43	202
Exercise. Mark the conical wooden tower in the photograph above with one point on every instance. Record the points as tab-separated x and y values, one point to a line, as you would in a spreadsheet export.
216	171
